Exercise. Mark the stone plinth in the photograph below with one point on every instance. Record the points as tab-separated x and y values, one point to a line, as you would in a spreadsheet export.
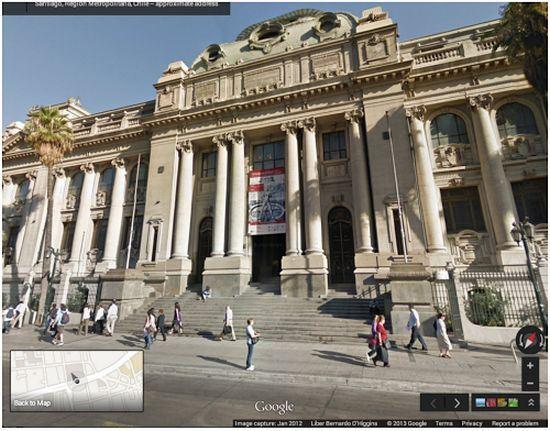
226	276
177	275
304	276
409	284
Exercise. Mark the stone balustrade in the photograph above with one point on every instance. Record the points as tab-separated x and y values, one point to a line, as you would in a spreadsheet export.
440	54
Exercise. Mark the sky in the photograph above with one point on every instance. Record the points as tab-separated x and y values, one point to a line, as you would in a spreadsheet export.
113	61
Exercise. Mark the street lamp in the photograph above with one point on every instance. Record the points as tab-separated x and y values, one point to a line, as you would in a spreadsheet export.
524	232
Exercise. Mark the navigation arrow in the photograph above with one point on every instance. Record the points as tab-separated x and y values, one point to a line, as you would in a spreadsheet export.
457	401
531	402
432	403
75	379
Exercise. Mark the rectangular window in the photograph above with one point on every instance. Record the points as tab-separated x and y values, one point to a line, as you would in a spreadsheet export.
462	209
531	198
334	146
268	156
209	164
100	234
68	236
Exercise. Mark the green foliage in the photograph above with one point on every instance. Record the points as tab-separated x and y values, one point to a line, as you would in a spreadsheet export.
76	301
486	306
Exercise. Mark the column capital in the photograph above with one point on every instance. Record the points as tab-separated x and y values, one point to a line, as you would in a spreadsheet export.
484	101
31	175
118	162
290	127
220	140
236	137
87	168
307	123
7	180
59	173
354	116
417	112
185	146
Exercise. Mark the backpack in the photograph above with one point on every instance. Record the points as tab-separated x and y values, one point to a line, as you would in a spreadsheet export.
435	325
65	317
10	313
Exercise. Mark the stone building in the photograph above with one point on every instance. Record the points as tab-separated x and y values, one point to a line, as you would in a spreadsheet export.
269	159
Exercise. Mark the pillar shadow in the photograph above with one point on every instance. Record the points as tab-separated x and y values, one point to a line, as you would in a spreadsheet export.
220	361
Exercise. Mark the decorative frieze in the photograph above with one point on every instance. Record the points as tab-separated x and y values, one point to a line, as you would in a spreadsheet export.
257	81
448	156
326	65
206	90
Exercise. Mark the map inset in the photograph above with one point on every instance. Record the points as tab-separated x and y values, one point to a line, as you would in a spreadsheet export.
76	380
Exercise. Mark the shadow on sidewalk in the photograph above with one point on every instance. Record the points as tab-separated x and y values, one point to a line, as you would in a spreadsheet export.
219	361
339	357
130	341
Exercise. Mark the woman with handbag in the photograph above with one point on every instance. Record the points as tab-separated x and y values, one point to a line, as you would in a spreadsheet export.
381	343
149	328
252	337
228	324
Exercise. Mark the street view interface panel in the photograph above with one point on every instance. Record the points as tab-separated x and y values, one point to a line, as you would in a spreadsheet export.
274	215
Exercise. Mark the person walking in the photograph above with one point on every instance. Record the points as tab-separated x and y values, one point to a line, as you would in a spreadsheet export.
112	316
20	309
99	320
160	325
372	342
85	320
228	324
149	328
50	317
8	314
177	326
61	320
381	343
414	326
443	341
252	337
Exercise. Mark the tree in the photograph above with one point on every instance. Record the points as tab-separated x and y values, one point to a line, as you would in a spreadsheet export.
51	136
523	33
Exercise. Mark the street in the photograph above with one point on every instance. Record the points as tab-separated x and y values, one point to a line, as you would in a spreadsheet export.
192	381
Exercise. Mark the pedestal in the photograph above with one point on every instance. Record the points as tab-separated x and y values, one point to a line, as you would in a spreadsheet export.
409	284
227	276
177	276
304	276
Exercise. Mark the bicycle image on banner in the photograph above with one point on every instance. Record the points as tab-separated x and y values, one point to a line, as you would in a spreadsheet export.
266	202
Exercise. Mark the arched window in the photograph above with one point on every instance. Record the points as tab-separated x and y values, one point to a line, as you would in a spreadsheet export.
22	190
142	182
75	187
515	119
105	186
340	232
446	129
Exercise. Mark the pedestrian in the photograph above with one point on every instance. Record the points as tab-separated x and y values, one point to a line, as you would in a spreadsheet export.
445	345
381	343
8	314
49	318
149	328
414	326
206	293
61	320
372	342
177	326
112	316
20	309
252	338
85	320
160	325
99	320
228	324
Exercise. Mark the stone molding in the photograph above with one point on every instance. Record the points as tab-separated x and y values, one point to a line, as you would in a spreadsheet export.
118	162
290	127
354	116
307	124
87	168
417	112
484	101
185	146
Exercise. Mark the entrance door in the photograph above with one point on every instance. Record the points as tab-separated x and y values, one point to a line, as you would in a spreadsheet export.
341	245
205	245
267	252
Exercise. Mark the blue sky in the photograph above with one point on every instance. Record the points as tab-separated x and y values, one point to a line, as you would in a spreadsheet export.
111	61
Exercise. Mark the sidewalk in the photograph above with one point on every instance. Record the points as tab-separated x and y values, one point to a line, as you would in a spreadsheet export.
480	368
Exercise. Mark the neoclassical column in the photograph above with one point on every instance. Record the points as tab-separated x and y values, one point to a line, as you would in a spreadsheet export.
57	203
293	198
7	190
238	195
184	201
426	183
359	182
312	196
497	187
83	216
218	241
31	176
116	210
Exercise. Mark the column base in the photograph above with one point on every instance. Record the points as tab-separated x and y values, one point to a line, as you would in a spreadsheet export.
177	275
227	276
62	290
511	256
127	287
366	266
304	276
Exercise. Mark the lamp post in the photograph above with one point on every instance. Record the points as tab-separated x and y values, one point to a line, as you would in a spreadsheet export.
524	232
57	254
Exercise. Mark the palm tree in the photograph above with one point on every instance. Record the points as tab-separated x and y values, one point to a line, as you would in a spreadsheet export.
51	136
523	33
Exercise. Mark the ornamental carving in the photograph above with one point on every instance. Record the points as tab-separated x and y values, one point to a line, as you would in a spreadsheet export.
290	127
102	198
354	116
118	162
185	146
59	173
484	101
87	168
470	247
71	202
307	124
266	36
220	140
448	156
417	112
7	180
236	137
521	147
31	176
327	26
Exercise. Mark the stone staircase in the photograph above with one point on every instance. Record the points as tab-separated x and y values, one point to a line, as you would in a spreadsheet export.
338	318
